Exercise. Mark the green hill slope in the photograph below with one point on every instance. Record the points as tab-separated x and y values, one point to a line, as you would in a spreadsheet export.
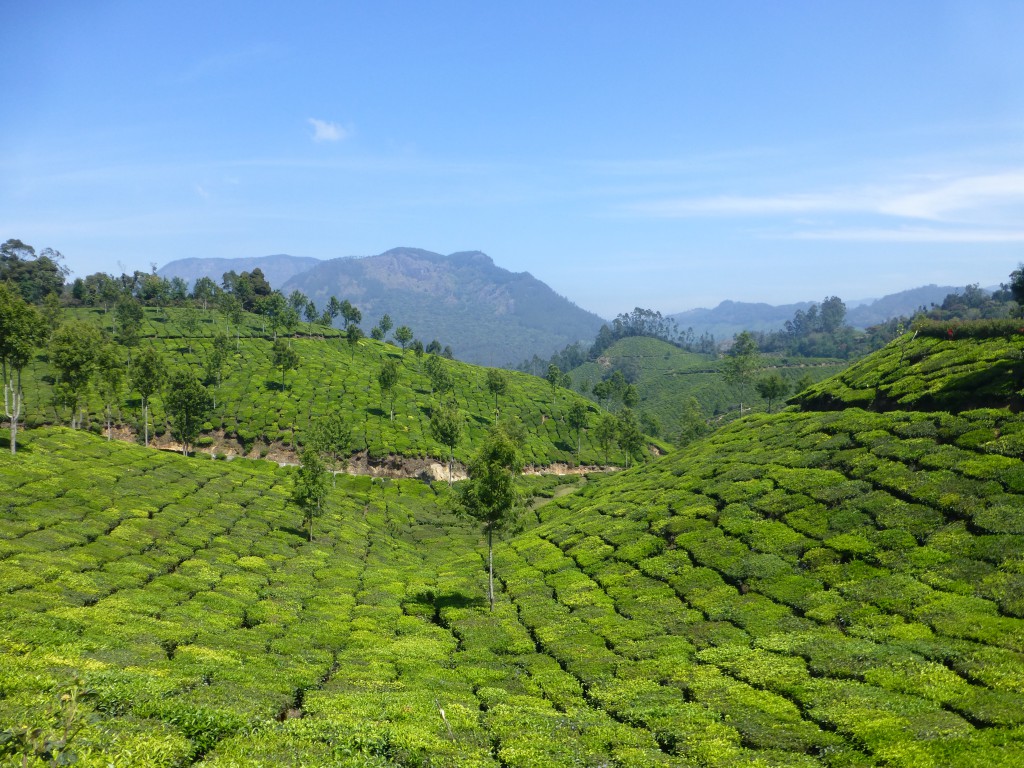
950	367
253	411
839	589
666	377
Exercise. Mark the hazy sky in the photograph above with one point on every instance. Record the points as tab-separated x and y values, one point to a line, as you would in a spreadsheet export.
661	154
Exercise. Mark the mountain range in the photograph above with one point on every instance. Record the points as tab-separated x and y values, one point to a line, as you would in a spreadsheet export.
492	316
731	317
488	315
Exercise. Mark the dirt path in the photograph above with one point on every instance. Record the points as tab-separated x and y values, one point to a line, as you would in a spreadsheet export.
392	466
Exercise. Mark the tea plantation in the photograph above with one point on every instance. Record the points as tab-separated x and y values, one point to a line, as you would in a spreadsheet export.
254	411
812	588
939	366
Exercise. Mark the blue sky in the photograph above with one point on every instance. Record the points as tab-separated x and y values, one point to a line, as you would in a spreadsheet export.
658	154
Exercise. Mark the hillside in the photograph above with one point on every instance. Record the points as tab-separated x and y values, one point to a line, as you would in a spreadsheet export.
276	269
254	415
487	314
801	589
951	367
666	377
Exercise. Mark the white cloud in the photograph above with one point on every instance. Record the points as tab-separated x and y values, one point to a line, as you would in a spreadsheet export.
990	198
914	235
955	198
325	131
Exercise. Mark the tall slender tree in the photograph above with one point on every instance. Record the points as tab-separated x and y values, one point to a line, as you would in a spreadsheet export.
73	349
490	496
577	418
310	489
285	357
22	331
497	384
387	379
189	405
146	377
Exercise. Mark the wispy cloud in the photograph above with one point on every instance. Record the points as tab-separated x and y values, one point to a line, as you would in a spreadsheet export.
986	198
955	198
913	235
326	131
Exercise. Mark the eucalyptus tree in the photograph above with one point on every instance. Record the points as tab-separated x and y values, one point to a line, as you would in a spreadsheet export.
577	418
22	330
772	388
128	314
631	440
310	489
606	433
554	377
490	495
403	335
350	314
741	362
188	404
231	308
72	352
146	377
204	290
353	333
110	379
331	438
387	379
497	384
284	357
215	360
441	380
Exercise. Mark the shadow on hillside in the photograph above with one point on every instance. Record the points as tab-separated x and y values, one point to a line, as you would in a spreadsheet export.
24	446
304	534
450	600
993	387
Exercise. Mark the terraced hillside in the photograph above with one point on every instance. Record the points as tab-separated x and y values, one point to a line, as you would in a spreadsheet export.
832	588
253	411
950	367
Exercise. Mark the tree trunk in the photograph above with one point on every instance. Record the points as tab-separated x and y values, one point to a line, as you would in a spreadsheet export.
12	406
490	566
145	421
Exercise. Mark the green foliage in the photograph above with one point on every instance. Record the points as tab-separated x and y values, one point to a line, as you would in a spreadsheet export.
310	487
490	495
922	371
387	379
285	357
772	388
22	330
497	384
447	426
188	405
146	377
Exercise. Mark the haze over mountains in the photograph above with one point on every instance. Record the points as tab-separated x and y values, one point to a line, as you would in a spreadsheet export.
492	316
488	315
731	317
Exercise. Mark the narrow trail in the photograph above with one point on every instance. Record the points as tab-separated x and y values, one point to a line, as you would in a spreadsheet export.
360	463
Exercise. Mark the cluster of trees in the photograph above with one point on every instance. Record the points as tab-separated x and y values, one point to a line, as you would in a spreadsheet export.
639	322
